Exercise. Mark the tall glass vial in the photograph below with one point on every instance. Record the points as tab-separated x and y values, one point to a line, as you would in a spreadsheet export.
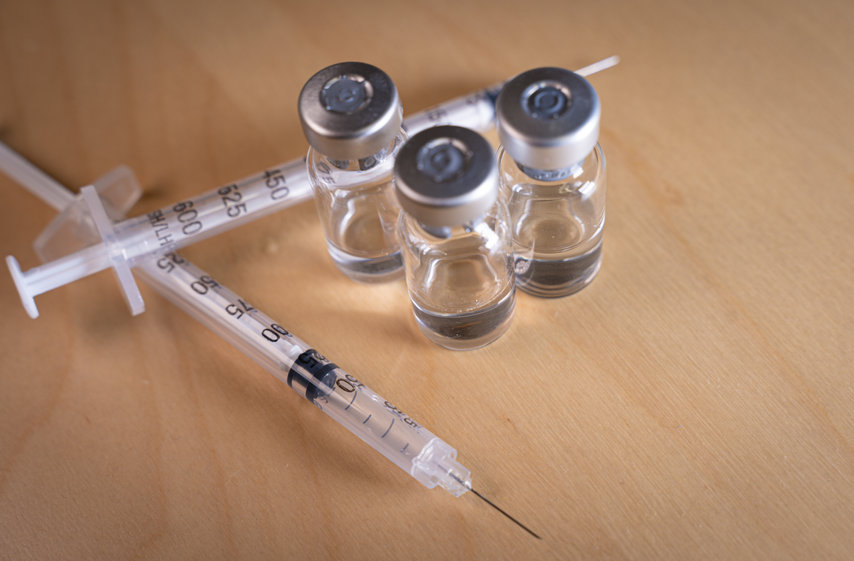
552	173
351	117
455	237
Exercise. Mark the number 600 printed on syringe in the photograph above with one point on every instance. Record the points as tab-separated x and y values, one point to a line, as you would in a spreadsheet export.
187	218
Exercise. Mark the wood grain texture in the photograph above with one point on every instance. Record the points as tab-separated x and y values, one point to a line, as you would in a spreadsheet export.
695	402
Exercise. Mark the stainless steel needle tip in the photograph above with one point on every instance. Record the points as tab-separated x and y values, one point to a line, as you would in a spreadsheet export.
495	506
504	512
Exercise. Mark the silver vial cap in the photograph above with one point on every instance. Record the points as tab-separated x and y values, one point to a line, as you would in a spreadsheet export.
350	110
548	118
446	176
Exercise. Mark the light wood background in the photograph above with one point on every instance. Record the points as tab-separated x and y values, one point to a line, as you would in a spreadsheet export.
695	402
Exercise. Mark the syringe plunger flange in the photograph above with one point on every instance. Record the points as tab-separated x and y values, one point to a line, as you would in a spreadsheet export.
78	265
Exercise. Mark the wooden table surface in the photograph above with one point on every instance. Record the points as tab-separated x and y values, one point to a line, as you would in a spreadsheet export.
695	402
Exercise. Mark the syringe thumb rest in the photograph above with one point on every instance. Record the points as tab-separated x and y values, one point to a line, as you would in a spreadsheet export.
21	284
437	465
120	186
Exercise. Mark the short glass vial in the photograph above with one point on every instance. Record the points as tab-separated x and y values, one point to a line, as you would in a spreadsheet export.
455	236
552	174
351	117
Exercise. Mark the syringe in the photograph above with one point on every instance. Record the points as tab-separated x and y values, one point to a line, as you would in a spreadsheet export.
383	426
372	418
132	241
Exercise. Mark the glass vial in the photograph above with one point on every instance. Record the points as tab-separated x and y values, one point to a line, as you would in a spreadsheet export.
552	174
455	237
351	117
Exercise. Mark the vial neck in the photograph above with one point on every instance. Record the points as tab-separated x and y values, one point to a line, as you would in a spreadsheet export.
362	164
441	232
368	162
548	175
445	232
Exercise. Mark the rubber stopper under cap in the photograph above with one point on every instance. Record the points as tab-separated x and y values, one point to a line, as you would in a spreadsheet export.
446	176
548	118
350	110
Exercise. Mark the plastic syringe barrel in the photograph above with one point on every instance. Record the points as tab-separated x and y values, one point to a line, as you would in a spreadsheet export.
340	395
373	419
162	231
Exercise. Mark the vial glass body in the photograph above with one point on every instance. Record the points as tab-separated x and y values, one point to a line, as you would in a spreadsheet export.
356	204
460	278
557	223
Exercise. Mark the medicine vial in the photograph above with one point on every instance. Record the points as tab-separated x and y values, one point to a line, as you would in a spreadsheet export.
351	117
552	175
455	237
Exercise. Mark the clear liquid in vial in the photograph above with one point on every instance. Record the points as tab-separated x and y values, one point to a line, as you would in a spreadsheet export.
553	278
468	330
367	269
